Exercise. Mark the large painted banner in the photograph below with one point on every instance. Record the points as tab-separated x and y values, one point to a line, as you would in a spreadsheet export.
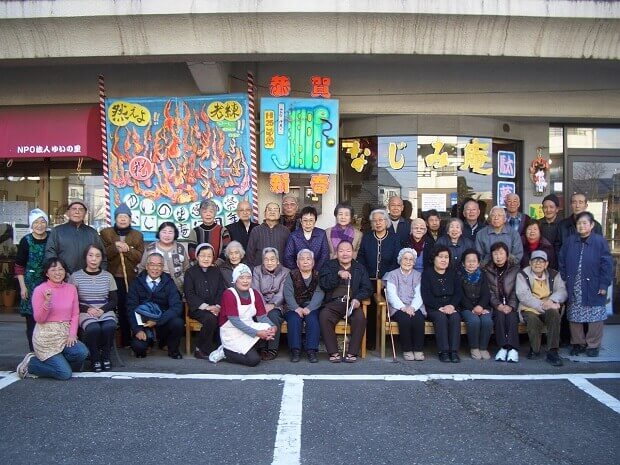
166	155
299	135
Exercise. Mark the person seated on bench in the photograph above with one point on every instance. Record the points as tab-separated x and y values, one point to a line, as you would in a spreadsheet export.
243	321
204	285
441	293
233	255
268	279
501	273
303	298
475	305
404	298
98	298
343	280
156	288
541	293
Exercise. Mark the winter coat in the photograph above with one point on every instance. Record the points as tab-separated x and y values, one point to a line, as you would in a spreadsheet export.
509	288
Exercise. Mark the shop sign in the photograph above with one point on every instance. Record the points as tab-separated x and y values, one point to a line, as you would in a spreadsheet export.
279	183
353	148
166	155
504	188
300	135
475	157
506	163
319	183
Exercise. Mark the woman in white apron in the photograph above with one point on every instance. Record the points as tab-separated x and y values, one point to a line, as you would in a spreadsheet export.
243	321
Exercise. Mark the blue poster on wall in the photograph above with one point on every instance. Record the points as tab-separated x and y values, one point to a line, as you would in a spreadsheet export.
299	135
167	154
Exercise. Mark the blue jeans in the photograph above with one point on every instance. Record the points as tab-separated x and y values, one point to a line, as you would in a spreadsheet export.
479	329
295	325
59	365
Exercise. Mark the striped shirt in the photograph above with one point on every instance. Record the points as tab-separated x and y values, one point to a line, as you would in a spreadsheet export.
94	289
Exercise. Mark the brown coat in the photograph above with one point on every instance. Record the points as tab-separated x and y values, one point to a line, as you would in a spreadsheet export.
132	258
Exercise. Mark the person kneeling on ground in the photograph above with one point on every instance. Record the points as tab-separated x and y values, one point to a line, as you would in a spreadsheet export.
303	298
156	288
344	281
243	321
541	293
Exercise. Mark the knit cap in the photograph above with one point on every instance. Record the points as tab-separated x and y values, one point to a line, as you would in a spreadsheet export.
239	270
35	214
122	209
553	198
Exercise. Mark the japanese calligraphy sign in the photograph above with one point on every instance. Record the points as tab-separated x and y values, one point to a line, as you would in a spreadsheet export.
166	155
299	135
506	162
503	189
279	183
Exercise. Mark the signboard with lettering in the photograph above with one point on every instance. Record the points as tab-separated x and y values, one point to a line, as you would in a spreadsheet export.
166	155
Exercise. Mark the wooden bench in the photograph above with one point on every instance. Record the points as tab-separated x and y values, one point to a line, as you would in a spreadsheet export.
192	325
383	326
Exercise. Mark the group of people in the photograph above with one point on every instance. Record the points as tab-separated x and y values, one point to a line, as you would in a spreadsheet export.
242	281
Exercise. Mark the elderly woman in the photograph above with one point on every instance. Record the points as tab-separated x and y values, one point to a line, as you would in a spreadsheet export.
533	240
306	237
501	273
441	293
233	255
587	268
455	241
268	279
475	305
209	232
29	265
422	245
343	230
404	298
303	298
57	352
379	248
176	260
243	321
98	298
498	231
203	287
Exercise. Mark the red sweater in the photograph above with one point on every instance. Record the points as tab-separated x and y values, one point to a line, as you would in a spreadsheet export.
229	305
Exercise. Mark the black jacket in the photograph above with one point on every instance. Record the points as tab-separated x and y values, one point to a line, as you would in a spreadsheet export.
238	232
203	287
475	294
440	290
361	288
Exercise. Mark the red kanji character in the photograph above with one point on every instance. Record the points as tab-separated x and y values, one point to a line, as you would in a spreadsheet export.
320	86
280	86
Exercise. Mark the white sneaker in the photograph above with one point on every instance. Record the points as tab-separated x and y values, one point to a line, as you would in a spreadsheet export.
217	355
501	355
22	368
513	356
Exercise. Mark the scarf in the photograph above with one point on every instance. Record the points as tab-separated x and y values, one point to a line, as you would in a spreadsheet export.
533	245
339	234
418	246
122	231
304	294
474	277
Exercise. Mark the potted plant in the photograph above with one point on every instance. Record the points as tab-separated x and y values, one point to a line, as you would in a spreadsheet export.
8	292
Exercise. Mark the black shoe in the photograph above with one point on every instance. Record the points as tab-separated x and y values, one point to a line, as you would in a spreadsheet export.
175	355
295	355
554	359
312	358
454	357
97	368
200	354
107	366
531	355
577	350
268	354
592	352
444	357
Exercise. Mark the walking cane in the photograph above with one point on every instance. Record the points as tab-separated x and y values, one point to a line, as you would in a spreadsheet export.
124	271
346	317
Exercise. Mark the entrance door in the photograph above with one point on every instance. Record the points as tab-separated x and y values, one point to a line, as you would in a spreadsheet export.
598	177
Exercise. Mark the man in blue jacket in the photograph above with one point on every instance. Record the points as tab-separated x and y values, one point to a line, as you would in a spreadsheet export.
156	288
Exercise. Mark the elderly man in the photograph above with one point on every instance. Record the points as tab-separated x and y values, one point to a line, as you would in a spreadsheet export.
541	293
515	219
240	230
343	280
68	241
549	224
269	234
290	212
578	204
472	223
210	231
398	225
153	302
498	231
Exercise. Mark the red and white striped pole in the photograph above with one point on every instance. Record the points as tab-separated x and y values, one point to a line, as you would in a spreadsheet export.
104	147
253	145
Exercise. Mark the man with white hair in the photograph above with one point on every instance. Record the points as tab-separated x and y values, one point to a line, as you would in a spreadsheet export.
498	231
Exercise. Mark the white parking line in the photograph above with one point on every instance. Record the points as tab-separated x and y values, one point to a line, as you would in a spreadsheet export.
596	392
287	448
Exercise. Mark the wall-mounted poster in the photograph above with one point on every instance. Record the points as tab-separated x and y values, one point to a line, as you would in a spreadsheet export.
506	164
166	155
299	135
503	189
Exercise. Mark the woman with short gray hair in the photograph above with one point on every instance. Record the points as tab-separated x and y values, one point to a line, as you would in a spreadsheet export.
233	256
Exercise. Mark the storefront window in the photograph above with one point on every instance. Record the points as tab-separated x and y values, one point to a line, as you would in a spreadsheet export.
67	185
556	162
593	138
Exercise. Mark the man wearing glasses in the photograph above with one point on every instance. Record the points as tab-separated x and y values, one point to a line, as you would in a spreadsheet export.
69	241
240	230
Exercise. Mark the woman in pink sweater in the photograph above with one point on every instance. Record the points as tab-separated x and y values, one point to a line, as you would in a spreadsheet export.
57	352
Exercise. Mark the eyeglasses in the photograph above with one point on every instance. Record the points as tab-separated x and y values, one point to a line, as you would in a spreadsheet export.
155	265
243	210
77	209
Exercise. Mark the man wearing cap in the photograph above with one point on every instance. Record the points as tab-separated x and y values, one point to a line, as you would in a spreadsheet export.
240	230
210	231
124	247
549	224
578	204
68	241
541	293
